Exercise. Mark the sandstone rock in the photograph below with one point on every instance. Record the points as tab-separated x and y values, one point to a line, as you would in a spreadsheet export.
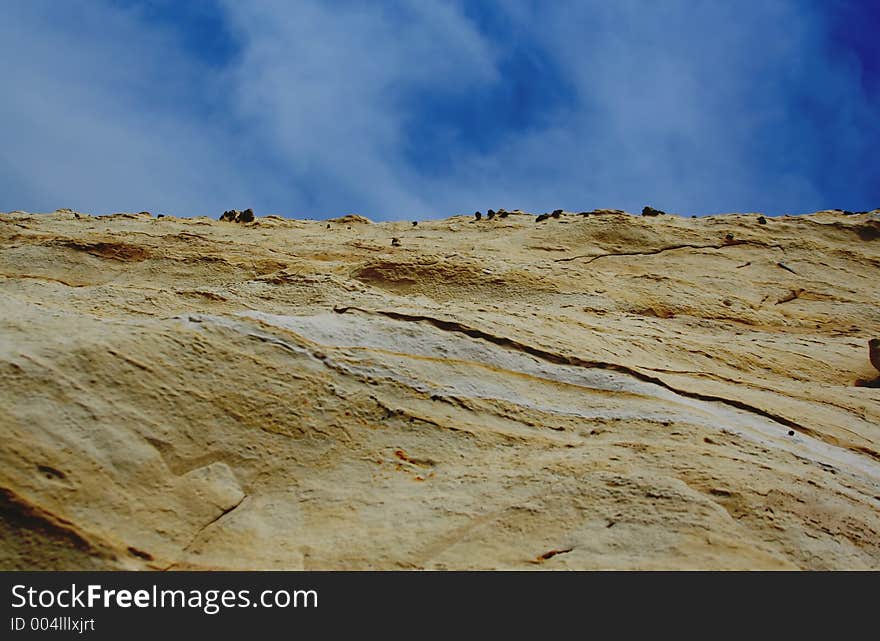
601	212
650	211
501	397
350	219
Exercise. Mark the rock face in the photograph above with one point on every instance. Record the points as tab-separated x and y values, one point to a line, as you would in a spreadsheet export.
606	391
350	219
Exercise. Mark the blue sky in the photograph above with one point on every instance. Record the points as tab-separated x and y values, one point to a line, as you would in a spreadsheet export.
402	110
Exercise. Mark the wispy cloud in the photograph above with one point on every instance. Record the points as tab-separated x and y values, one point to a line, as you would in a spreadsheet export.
98	114
325	88
406	109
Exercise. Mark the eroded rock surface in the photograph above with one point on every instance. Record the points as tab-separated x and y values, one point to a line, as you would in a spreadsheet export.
608	391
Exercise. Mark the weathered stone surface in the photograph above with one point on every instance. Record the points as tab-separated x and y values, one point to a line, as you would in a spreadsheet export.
350	219
605	391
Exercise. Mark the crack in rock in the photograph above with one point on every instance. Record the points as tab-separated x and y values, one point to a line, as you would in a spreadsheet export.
654	252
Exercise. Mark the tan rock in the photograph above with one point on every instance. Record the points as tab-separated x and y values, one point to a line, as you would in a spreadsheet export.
597	392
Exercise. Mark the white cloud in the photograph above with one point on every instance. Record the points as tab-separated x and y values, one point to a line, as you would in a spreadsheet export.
692	107
326	86
669	106
95	116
